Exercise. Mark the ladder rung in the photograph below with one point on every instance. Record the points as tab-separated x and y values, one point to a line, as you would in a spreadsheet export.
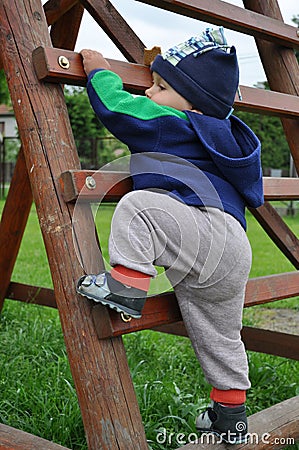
107	186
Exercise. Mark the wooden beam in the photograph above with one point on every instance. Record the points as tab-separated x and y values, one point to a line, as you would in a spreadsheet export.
273	428
111	186
13	439
64	36
137	78
13	222
163	309
233	17
281	67
278	231
31	294
55	9
271	342
109	19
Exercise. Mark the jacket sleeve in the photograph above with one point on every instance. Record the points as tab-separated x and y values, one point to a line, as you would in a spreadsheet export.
135	120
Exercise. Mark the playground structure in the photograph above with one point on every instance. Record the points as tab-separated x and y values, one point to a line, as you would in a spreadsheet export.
36	62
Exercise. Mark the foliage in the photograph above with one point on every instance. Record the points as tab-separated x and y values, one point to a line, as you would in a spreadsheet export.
95	146
275	149
4	93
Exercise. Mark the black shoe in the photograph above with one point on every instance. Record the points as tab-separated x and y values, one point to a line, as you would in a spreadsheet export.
104	289
230	424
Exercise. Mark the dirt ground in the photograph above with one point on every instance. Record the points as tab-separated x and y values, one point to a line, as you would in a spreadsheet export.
283	320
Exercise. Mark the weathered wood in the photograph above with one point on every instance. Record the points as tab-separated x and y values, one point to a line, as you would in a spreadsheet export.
55	9
64	36
13	439
13	222
137	78
271	342
105	186
255	339
281	67
273	428
113	185
116	28
163	309
110	411
278	231
233	17
31	294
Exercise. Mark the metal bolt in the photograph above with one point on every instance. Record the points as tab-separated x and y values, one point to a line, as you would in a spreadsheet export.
90	183
63	62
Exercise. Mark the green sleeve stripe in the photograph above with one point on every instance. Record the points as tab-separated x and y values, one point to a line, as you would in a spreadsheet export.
109	88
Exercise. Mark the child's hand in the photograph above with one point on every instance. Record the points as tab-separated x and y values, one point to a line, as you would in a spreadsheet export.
93	60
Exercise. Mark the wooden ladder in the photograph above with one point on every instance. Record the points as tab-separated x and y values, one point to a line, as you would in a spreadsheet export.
48	172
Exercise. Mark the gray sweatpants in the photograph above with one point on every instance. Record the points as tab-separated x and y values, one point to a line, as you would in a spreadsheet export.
207	258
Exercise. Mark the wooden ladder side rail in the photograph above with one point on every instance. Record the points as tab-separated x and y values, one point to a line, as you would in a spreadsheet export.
281	67
110	411
137	78
233	17
13	439
273	428
13	222
114	25
283	237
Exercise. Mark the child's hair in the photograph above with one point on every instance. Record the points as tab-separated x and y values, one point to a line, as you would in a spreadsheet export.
204	70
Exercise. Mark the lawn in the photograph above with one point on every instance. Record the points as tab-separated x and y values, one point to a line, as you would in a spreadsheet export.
36	387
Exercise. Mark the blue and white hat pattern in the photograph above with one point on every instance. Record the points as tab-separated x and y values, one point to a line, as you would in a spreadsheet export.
204	70
208	40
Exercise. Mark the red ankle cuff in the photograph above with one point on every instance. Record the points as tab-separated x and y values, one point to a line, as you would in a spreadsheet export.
131	277
229	397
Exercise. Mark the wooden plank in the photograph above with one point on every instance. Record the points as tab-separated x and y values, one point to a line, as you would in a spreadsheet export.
278	231
113	185
281	188
109	410
269	288
273	428
271	342
137	78
13	222
55	9
31	294
163	309
13	439
109	19
233	17
64	36
87	185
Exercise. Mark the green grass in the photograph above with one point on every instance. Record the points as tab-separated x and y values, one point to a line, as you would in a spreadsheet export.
36	388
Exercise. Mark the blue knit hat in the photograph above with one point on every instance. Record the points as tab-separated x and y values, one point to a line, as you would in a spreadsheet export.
204	70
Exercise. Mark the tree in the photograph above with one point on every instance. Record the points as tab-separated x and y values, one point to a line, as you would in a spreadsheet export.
4	93
95	145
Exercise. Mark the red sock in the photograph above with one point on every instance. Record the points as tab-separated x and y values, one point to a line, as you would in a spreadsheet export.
230	398
131	277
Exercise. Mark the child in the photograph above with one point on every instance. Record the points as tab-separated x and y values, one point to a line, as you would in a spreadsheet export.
194	167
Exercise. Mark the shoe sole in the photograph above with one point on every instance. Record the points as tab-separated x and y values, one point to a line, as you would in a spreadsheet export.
130	312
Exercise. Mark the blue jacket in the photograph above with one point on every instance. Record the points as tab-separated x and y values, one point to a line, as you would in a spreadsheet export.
200	160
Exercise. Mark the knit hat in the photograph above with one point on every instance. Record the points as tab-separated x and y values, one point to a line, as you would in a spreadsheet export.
204	70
